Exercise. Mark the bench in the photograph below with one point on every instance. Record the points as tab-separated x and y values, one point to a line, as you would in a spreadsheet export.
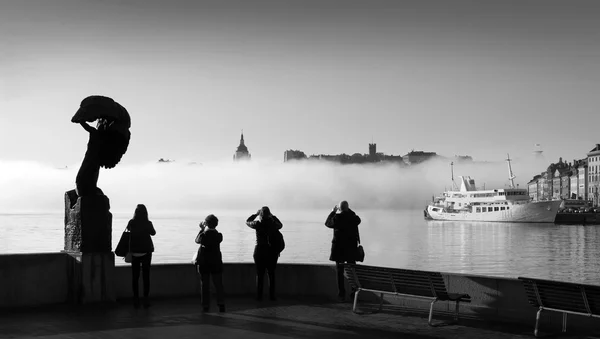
562	297
401	282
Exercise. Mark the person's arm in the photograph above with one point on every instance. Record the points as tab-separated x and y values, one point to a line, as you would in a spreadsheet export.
330	222
200	238
219	238
151	229
277	223
250	222
87	127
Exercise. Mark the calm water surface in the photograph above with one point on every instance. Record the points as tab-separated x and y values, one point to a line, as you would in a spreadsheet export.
391	238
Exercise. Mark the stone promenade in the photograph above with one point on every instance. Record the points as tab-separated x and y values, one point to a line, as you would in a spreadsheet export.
245	318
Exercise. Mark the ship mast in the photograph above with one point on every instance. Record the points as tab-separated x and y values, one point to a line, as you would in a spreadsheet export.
454	187
511	176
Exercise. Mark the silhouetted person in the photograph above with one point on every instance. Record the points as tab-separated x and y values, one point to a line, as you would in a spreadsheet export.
141	248
265	257
345	240
211	263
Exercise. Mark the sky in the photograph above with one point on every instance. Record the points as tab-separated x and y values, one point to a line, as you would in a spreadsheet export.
479	78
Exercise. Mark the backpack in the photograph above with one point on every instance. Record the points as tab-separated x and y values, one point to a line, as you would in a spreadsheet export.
276	241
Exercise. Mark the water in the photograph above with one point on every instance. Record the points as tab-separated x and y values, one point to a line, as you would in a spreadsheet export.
391	238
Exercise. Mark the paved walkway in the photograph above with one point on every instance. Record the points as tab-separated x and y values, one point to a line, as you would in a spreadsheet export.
183	318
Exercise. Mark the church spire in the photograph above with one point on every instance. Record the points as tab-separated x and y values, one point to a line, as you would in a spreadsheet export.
242	139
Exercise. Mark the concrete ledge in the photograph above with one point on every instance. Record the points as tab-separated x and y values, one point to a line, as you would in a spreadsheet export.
33	279
42	279
238	279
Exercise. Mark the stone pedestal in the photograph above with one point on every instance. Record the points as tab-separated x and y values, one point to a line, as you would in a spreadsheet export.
91	277
88	223
88	241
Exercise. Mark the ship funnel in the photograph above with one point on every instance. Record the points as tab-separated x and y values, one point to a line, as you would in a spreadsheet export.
467	184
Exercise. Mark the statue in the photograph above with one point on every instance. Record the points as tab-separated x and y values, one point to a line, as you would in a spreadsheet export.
107	143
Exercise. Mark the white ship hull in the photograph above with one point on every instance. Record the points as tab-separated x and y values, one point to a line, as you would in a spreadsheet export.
543	211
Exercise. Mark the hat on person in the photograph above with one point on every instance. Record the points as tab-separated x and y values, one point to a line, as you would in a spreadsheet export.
211	221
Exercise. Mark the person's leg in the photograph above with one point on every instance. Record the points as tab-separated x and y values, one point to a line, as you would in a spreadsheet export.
205	277
271	270
146	261
135	277
259	261
340	279
217	279
353	289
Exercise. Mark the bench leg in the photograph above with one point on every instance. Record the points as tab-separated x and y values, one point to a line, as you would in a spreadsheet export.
380	301
431	311
564	329
456	312
537	321
355	300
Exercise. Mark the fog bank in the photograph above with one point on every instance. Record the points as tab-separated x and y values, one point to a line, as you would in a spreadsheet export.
30	187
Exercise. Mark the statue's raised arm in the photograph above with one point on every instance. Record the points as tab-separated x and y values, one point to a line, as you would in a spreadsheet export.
108	141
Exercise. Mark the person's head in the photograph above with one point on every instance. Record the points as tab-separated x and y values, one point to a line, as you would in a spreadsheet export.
141	213
265	212
343	206
211	221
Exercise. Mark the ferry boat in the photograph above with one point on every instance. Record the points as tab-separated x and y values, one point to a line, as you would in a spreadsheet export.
495	205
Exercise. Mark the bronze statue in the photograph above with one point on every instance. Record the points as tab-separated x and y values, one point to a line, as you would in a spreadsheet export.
108	141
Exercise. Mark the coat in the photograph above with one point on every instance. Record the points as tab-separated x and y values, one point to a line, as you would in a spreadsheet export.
345	235
263	228
140	240
210	240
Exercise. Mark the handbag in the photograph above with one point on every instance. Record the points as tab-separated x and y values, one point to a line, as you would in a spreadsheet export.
123	246
360	253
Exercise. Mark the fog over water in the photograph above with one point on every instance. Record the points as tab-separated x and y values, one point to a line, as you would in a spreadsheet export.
30	187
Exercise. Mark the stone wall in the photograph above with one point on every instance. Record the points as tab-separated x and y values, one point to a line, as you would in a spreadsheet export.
43	279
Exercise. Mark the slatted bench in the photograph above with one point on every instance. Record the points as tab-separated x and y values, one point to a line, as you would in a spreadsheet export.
401	282
562	297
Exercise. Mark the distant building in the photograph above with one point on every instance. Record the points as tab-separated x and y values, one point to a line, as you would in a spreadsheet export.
357	158
582	179
242	152
164	161
416	157
533	188
593	162
290	155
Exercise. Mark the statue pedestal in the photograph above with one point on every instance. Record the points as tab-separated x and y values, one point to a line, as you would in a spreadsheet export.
88	241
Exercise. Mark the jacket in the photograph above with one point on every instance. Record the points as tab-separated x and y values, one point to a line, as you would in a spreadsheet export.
210	240
140	240
263	228
345	235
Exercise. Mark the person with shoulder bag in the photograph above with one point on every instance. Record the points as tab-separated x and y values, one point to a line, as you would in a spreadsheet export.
267	250
344	245
141	248
209	261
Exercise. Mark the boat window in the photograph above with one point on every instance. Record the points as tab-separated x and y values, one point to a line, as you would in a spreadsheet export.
496	209
435	209
478	210
502	208
484	209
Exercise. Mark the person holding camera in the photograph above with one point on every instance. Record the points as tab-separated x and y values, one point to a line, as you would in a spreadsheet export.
265	256
210	261
346	238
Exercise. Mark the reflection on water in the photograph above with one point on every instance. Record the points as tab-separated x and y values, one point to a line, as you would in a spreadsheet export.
391	238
